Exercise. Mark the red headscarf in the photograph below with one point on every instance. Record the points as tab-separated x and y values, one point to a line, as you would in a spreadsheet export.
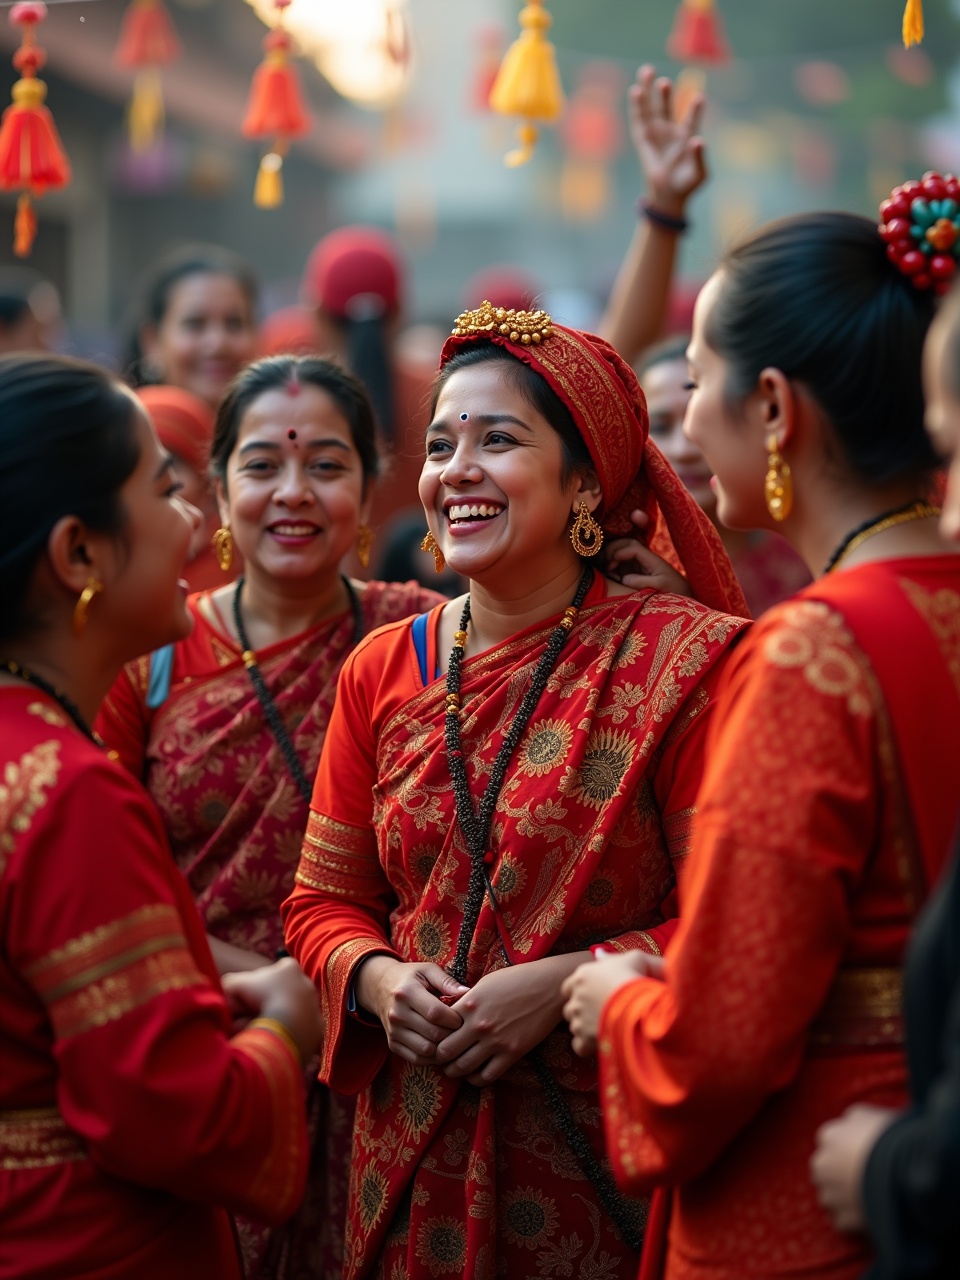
351	264
183	421
603	395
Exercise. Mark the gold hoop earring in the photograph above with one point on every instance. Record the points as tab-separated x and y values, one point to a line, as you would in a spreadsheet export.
585	533
778	485
223	547
83	605
364	543
430	544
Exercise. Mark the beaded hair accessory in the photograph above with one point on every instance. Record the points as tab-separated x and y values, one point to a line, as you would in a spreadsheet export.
525	327
920	225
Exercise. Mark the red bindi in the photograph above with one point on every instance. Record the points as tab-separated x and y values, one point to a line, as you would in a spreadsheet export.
291	434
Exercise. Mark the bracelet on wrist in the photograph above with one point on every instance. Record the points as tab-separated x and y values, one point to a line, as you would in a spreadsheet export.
276	1027
666	221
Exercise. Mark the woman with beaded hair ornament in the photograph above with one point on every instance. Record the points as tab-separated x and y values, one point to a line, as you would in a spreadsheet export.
823	820
507	780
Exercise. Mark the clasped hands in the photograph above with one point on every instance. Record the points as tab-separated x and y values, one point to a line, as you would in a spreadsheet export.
477	1032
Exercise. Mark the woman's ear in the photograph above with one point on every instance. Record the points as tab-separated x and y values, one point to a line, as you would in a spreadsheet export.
587	490
776	404
76	555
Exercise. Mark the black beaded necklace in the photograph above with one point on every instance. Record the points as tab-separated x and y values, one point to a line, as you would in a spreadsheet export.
915	509
15	669
270	708
475	825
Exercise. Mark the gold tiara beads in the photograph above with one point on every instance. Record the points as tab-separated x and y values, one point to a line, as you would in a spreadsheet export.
526	327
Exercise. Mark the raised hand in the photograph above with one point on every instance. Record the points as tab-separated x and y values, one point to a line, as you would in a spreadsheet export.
670	151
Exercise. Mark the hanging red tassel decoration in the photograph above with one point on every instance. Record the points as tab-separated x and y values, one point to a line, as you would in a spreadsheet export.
32	158
697	34
276	111
147	42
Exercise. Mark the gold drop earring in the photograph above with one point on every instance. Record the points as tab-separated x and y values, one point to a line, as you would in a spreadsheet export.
585	533
430	543
778	485
223	547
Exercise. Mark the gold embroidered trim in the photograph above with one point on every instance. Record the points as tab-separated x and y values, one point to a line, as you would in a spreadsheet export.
101	975
277	1182
940	610
24	785
338	858
101	951
863	1009
338	973
678	831
36	1139
338	837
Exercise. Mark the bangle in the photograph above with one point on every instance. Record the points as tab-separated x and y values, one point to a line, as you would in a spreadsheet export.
276	1027
666	221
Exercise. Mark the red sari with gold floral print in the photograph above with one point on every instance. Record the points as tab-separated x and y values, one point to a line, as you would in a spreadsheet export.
591	823
126	1114
235	821
825	816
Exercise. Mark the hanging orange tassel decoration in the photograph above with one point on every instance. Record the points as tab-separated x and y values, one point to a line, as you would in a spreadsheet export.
912	23
275	111
528	82
697	34
32	158
147	42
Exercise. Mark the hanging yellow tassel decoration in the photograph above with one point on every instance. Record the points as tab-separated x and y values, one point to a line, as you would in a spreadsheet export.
912	23
268	190
528	82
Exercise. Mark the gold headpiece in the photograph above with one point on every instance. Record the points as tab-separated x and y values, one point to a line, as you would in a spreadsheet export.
516	326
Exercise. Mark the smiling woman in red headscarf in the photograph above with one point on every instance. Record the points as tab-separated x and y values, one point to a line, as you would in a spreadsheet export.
438	931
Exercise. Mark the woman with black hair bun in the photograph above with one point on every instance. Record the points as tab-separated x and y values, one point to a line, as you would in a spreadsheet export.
822	821
130	1120
195	325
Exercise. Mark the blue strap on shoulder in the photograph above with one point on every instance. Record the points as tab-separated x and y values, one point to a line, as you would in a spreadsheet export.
161	673
419	630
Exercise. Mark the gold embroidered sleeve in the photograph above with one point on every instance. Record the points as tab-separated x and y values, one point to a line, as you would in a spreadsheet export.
277	1188
334	991
101	975
339	859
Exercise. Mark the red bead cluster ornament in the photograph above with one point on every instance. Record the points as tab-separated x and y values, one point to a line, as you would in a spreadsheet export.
920	225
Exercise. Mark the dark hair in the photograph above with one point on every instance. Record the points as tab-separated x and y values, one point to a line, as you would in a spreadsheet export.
816	297
160	282
537	392
273	372
950	318
68	445
669	351
367	354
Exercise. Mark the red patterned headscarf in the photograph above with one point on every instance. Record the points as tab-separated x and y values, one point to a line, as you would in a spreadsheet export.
603	395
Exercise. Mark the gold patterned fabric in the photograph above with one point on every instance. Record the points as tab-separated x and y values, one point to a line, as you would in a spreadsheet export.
37	1138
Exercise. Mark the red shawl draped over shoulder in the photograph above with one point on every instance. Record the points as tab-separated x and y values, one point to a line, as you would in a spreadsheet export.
591	822
208	757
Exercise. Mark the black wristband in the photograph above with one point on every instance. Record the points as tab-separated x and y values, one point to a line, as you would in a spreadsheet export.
666	221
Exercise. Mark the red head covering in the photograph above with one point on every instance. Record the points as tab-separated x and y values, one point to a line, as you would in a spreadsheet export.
603	395
183	421
355	265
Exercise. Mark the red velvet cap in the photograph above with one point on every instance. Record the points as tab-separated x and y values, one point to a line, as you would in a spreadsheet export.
183	421
350	263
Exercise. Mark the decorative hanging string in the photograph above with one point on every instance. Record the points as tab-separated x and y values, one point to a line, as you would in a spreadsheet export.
148	42
528	82
912	23
275	110
32	159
